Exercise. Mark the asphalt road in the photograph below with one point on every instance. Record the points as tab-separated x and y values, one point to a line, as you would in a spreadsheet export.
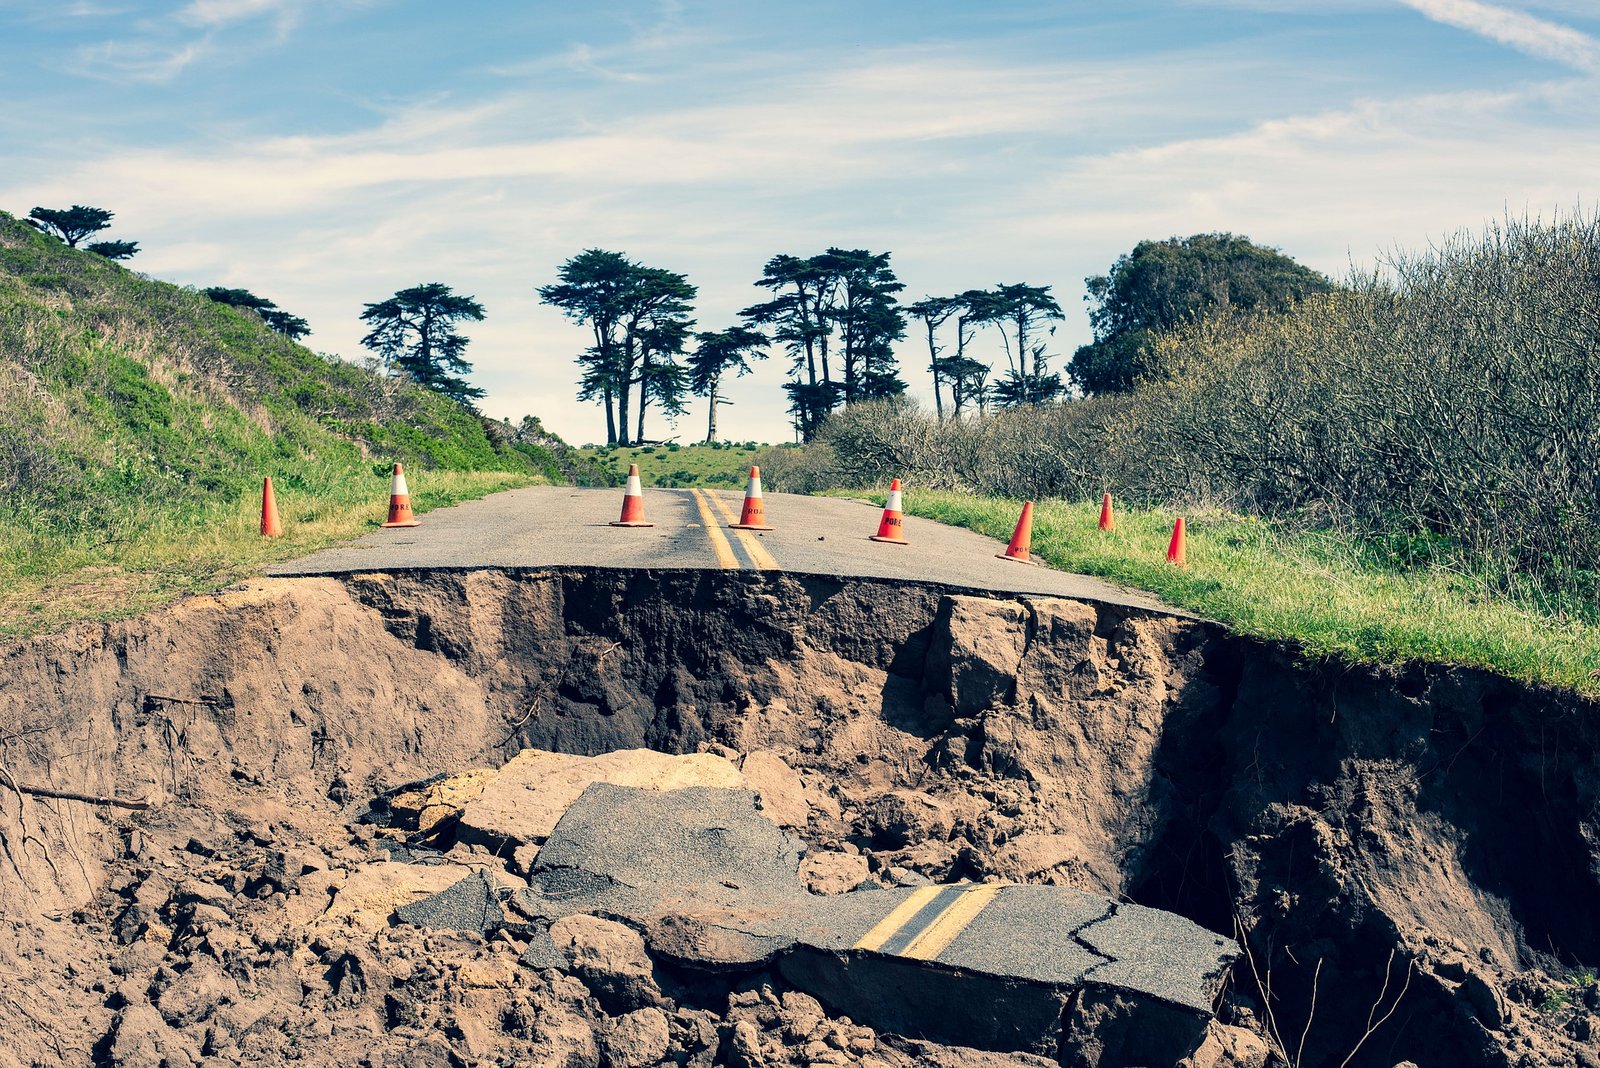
556	526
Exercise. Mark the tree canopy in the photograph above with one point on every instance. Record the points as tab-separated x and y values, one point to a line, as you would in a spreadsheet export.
641	319
716	354
290	326
414	331
1162	284
74	224
839	302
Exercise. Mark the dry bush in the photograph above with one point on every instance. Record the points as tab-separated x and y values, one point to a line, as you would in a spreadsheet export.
1450	408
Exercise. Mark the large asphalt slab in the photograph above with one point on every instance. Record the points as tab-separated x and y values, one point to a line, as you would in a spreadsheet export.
554	526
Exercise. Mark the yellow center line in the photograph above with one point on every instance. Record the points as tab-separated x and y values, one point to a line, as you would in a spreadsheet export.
931	942
719	542
751	542
885	928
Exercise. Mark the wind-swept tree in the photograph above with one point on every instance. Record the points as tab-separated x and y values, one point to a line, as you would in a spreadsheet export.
716	354
864	308
114	250
72	224
414	331
932	312
640	318
1020	313
843	295
290	326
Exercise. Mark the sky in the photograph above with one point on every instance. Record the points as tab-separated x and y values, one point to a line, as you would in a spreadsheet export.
326	153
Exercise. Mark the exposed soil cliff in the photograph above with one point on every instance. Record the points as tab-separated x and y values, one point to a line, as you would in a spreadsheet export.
1412	853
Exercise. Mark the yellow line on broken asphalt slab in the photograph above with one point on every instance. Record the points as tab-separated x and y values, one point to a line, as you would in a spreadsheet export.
751	541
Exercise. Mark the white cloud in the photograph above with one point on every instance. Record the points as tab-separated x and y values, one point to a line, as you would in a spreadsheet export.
137	60
1518	29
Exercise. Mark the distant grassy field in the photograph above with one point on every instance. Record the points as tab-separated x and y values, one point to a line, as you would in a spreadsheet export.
146	554
1334	594
681	465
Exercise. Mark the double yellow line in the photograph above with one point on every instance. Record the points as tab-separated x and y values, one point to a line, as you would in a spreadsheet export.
928	920
753	548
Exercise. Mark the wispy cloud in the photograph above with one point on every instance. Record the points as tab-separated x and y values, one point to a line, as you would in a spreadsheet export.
1518	29
137	60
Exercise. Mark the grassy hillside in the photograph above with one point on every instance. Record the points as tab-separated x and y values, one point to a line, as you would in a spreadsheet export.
137	419
723	464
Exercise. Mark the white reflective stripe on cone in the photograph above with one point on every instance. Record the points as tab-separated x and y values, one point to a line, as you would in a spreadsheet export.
755	487
894	501
633	489
399	488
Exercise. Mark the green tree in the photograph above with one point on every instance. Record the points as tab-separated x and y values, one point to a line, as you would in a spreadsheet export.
414	330
290	326
716	354
1162	284
640	318
71	224
1020	312
114	250
840	295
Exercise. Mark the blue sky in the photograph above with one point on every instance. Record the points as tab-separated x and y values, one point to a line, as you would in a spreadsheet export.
327	153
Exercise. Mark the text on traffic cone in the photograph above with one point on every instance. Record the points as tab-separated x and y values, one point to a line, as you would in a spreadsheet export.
400	501
1108	522
1021	538
632	502
754	515
271	525
1177	548
892	527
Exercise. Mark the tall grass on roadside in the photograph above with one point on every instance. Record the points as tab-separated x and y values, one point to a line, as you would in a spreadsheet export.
1326	591
141	553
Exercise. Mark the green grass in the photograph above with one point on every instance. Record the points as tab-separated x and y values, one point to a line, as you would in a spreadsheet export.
137	419
679	466
1331	593
141	558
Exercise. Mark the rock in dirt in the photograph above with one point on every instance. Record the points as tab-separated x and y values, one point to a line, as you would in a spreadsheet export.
373	891
782	794
977	652
635	1039
610	959
524	800
833	873
422	808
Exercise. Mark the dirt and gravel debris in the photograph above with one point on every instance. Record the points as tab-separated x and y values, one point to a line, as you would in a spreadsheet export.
1416	849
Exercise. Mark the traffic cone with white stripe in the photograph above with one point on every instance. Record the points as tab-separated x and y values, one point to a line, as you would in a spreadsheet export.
1108	522
1021	538
892	527
1178	547
271	525
754	515
400	501
632	502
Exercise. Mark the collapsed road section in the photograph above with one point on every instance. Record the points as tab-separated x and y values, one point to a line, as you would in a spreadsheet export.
1059	809
714	885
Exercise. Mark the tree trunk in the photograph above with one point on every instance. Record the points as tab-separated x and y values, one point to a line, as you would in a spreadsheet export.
611	418
625	388
711	416
933	366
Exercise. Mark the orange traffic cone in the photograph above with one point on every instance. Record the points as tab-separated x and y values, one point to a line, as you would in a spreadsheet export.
1021	538
1177	548
892	528
1108	522
400	501
754	515
632	502
271	525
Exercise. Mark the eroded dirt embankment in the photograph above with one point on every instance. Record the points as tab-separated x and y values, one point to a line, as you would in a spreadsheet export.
1412	853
